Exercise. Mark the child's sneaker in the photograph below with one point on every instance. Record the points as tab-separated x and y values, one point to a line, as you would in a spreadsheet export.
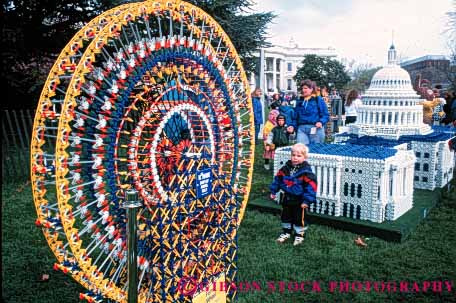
283	237
298	239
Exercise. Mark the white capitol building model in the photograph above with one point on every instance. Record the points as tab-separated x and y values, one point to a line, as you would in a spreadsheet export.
370	173
391	106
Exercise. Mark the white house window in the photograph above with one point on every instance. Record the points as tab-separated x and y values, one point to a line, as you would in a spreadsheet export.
289	67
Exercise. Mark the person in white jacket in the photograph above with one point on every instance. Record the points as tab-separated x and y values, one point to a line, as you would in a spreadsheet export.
352	104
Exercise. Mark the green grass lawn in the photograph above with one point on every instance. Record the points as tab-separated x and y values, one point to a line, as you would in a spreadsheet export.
331	255
327	255
26	255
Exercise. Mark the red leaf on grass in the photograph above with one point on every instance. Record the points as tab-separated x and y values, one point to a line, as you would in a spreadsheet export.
360	242
44	277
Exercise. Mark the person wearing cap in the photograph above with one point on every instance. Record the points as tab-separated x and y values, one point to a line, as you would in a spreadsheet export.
278	137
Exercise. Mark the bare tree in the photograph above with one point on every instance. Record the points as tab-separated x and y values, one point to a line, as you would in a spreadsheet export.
452	24
451	32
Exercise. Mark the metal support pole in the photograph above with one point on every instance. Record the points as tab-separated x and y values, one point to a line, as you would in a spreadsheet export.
340	109
131	206
262	84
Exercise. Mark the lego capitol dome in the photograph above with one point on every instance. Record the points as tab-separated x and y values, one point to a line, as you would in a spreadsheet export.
391	108
391	78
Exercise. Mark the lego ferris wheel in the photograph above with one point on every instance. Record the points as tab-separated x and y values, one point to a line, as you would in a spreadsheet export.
149	96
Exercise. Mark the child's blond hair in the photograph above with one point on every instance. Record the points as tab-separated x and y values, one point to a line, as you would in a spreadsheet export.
300	148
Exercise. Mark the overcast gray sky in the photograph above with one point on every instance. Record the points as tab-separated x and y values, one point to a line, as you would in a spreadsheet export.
361	29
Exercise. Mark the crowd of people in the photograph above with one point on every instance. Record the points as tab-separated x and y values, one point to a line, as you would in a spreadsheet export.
286	124
305	115
299	120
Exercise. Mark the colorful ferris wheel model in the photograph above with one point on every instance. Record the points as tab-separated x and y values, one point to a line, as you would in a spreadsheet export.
149	96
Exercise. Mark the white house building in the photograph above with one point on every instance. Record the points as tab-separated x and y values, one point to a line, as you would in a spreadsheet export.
281	64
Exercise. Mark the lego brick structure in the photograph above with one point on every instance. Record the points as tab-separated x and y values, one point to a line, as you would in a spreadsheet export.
361	182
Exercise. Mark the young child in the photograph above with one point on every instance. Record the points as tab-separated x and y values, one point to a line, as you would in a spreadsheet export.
299	185
278	137
268	126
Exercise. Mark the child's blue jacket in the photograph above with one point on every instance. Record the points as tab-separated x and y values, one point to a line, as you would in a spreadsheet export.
297	182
